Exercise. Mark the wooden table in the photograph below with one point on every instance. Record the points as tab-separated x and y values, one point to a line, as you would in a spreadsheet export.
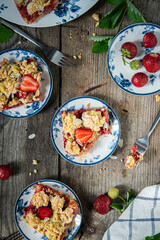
17	150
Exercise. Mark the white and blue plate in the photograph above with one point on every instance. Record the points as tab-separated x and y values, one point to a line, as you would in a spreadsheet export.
67	11
30	109
104	146
122	74
24	200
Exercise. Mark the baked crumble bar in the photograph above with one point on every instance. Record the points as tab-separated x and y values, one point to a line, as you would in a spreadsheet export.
19	83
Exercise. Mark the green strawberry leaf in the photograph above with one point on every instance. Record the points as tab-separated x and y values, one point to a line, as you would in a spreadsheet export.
100	38
133	13
127	204
110	19
117	206
115	2
125	52
130	195
102	46
5	34
155	237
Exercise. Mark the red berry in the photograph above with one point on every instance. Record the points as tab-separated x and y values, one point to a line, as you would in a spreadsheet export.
129	50
149	40
151	62
139	79
102	204
5	172
44	212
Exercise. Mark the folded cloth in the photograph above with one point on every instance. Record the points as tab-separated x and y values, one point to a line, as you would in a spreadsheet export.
140	219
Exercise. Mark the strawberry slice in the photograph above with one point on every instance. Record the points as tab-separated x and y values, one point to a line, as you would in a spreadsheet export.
83	135
44	212
28	84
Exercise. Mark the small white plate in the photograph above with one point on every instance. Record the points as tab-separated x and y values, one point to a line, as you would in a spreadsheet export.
30	109
24	200
105	145
122	74
67	11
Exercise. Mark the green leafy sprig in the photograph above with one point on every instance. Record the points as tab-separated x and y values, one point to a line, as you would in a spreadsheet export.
111	19
122	207
5	33
155	237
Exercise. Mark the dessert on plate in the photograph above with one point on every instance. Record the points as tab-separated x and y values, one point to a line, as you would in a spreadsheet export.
19	83
32	10
50	212
82	128
133	158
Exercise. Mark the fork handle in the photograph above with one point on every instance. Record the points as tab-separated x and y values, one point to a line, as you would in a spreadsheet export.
154	124
18	30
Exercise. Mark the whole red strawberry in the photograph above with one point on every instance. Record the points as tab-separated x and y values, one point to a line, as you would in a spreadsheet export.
129	50
44	212
102	204
139	79
5	172
149	40
151	62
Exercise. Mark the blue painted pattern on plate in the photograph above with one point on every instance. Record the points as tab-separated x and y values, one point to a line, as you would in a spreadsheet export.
30	109
122	74
106	142
24	199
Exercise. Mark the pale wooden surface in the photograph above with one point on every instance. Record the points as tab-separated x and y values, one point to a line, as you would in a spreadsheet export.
88	182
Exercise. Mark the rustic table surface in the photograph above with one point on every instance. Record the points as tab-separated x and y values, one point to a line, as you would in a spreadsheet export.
17	150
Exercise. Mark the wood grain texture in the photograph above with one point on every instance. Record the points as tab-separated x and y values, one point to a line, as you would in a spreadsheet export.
16	149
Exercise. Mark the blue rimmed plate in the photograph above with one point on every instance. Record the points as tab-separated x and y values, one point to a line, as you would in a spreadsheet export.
122	74
105	145
24	200
30	109
67	11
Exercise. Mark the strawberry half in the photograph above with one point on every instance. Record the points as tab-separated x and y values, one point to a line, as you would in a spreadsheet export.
28	84
83	135
44	212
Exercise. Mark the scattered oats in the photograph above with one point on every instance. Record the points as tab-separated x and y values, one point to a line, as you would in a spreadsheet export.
95	16
113	157
75	57
88	105
120	144
83	65
100	169
157	98
35	162
30	174
35	171
32	136
97	24
93	34
70	37
122	160
80	56
19	42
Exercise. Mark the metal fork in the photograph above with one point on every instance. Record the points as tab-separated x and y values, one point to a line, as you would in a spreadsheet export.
143	143
53	54
13	236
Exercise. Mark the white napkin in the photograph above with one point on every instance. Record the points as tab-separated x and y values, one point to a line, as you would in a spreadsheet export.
140	219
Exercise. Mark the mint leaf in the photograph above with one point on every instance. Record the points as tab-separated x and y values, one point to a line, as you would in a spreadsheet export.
117	206
130	195
5	34
155	237
102	46
110	19
133	13
115	2
100	38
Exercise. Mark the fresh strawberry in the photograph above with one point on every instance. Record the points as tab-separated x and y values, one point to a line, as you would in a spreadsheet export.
149	40
83	135
139	79
22	95
151	62
44	212
28	84
5	172
102	204
129	50
134	149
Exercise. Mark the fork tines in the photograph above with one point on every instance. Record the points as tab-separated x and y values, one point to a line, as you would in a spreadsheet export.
65	62
14	236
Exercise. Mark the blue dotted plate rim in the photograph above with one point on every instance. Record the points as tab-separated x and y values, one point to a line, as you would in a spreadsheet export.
51	81
84	164
110	72
49	181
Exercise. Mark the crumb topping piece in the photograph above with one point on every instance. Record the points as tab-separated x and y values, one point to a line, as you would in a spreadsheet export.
40	199
57	203
72	147
70	123
93	120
